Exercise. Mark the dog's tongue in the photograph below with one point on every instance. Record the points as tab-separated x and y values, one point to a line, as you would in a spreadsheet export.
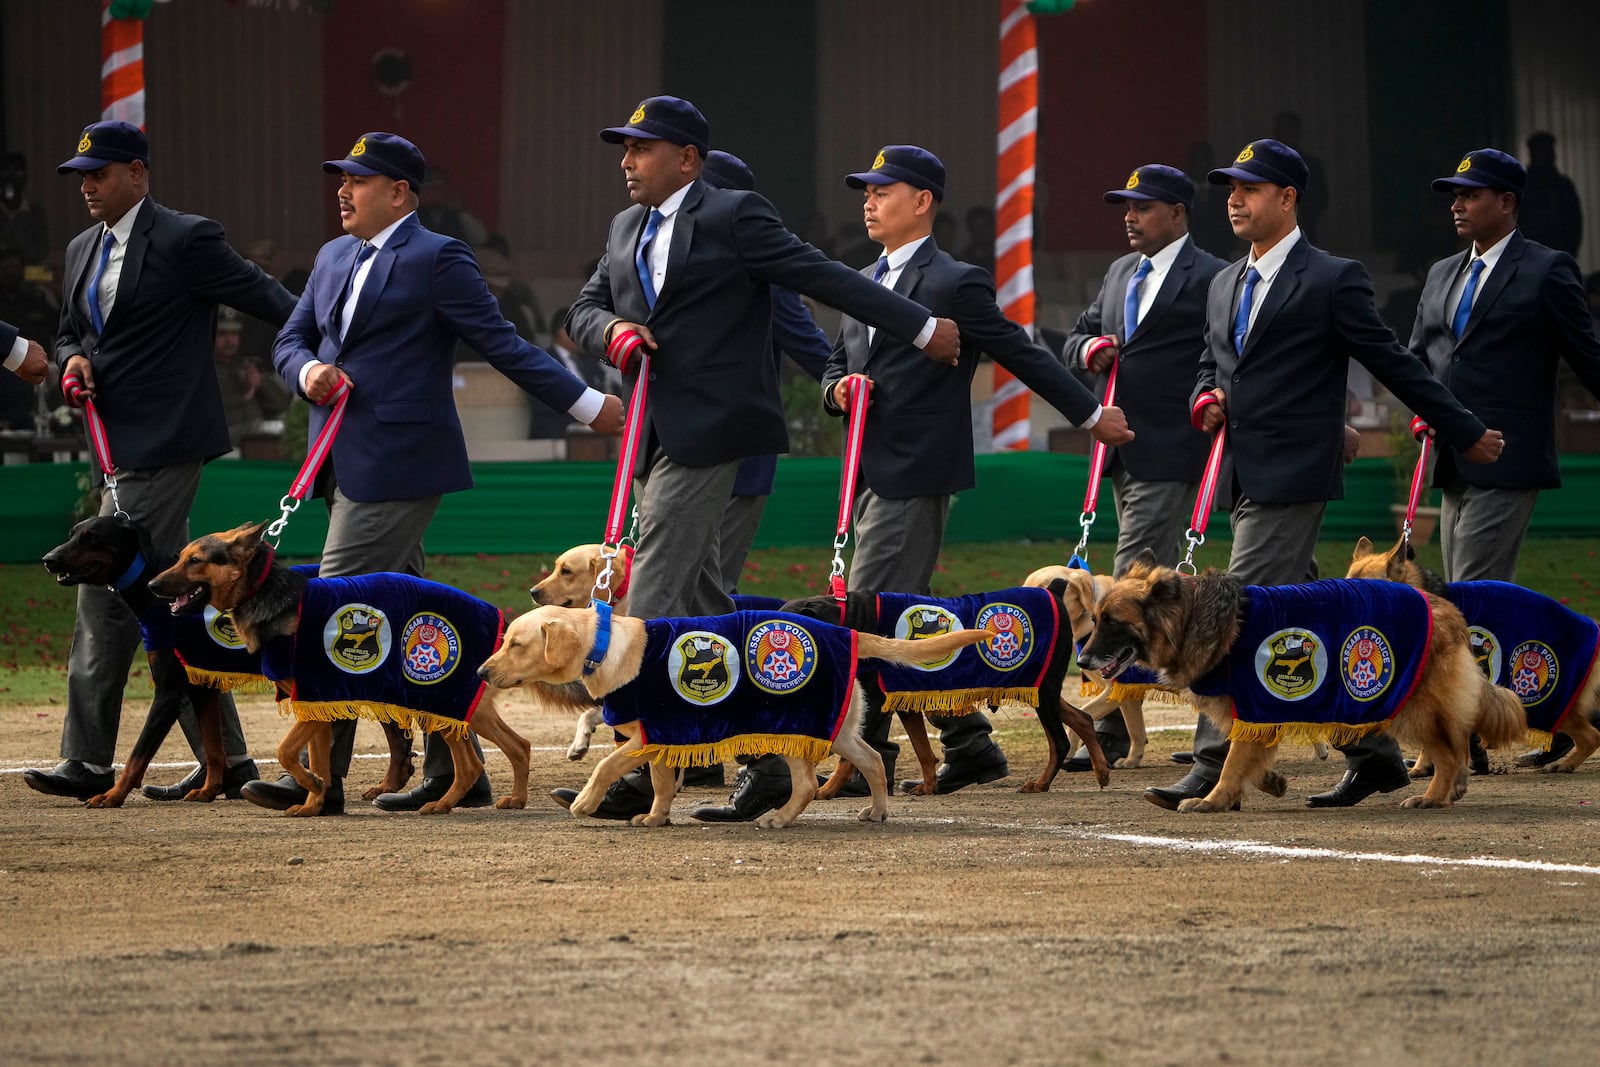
184	599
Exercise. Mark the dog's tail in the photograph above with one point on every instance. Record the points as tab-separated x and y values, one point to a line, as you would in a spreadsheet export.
1501	718
927	650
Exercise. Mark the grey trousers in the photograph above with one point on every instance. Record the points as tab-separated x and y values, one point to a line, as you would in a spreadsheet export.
1481	532
105	636
676	569
740	522
365	537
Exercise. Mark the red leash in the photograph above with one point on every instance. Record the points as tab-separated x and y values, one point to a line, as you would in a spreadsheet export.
859	395
1097	464
1202	501
1419	477
76	395
319	451
620	351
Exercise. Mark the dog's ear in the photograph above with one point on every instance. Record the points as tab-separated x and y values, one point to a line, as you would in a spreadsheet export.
1363	550
249	533
563	645
1080	595
1142	564
1411	553
1164	590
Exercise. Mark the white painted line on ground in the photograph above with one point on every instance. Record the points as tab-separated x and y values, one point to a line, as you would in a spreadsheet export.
17	766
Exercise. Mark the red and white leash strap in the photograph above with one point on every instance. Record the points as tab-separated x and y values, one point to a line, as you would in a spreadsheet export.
300	488
1097	457
859	395
623	347
72	389
1196	536
1419	477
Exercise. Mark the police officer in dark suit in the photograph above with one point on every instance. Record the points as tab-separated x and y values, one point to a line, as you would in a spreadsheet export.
138	311
1281	325
917	450
1147	317
691	268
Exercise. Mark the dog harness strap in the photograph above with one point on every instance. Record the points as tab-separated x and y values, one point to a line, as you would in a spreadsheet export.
602	638
1097	464
859	395
131	575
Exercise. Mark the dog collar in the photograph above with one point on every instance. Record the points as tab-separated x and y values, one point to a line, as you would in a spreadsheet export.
602	638
264	558
130	575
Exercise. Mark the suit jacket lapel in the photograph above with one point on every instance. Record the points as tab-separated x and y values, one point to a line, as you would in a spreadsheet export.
333	284
910	275
77	276
682	234
1282	288
1177	277
378	277
133	260
1112	319
1504	269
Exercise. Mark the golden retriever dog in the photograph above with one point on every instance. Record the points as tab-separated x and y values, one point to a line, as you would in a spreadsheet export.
236	572
1399	565
1184	627
549	645
569	585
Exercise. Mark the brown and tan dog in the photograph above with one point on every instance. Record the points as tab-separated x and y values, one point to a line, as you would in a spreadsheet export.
1183	627
234	571
548	645
1399	565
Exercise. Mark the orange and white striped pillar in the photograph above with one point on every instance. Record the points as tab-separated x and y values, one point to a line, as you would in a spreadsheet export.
121	67
1013	207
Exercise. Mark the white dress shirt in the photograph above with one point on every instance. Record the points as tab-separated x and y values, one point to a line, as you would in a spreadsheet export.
1160	266
1490	257
1268	267
18	353
661	246
123	231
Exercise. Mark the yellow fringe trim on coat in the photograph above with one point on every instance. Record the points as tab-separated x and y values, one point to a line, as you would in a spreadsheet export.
1305	733
814	749
229	681
405	718
1119	692
959	701
1539	739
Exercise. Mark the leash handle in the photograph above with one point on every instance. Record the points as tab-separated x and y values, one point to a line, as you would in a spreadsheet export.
625	344
1097	464
1196	535
859	396
1419	478
316	455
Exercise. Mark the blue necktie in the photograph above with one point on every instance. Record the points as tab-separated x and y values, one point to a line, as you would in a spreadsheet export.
1241	321
641	258
95	316
881	270
363	254
1130	306
1458	325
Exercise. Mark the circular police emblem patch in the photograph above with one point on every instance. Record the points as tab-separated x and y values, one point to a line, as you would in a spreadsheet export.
1464	166
1133	181
1011	636
1247	155
85	144
357	638
1534	672
703	667
1367	663
637	116
430	648
1486	653
1291	664
359	148
219	627
780	656
921	621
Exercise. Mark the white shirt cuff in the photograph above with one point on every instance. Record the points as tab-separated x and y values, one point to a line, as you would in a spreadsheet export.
1088	424
927	332
306	368
587	407
19	352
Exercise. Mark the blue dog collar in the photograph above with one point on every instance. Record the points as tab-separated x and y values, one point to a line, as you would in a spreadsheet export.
602	638
131	575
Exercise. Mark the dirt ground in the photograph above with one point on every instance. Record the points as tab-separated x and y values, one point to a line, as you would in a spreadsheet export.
985	927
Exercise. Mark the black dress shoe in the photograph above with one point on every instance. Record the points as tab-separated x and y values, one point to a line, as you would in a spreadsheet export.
233	780
622	801
704	776
755	794
70	779
953	776
1190	786
1185	758
285	793
1358	785
481	795
1560	745
1081	761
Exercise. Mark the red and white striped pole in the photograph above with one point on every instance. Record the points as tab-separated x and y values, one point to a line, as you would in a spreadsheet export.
121	67
1013	207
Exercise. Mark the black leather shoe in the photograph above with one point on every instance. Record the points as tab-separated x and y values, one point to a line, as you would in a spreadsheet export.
755	794
1081	762
953	776
285	793
233	780
1478	759
1184	758
1560	745
70	779
622	801
431	789
1192	785
704	776
856	786
1358	785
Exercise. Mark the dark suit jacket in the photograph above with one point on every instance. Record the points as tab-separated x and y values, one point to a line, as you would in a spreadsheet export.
401	437
794	332
155	382
1156	368
714	385
1532	311
1286	393
919	426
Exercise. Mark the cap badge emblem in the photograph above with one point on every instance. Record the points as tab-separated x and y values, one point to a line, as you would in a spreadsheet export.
638	115
1247	155
1133	181
1464	166
877	164
360	148
84	145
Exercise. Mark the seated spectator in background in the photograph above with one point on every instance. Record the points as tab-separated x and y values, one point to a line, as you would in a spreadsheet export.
22	224
980	238
251	392
441	210
944	232
547	423
1550	212
24	307
517	300
1571	394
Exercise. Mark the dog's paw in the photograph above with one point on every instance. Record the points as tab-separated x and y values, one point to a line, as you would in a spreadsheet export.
577	752
1558	767
301	811
1034	787
1274	784
872	815
648	819
772	821
104	800
1128	763
200	796
1320	750
1200	806
1424	802
505	803
923	788
376	791
1421	771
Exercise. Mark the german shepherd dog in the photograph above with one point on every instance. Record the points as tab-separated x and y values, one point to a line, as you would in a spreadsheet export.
1183	627
548	645
107	550
232	571
861	613
1399	564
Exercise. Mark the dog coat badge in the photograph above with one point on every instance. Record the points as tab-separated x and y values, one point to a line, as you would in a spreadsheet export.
1368	663
219	627
1534	672
780	656
432	648
1012	638
357	638
702	667
921	621
1486	652
1291	664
